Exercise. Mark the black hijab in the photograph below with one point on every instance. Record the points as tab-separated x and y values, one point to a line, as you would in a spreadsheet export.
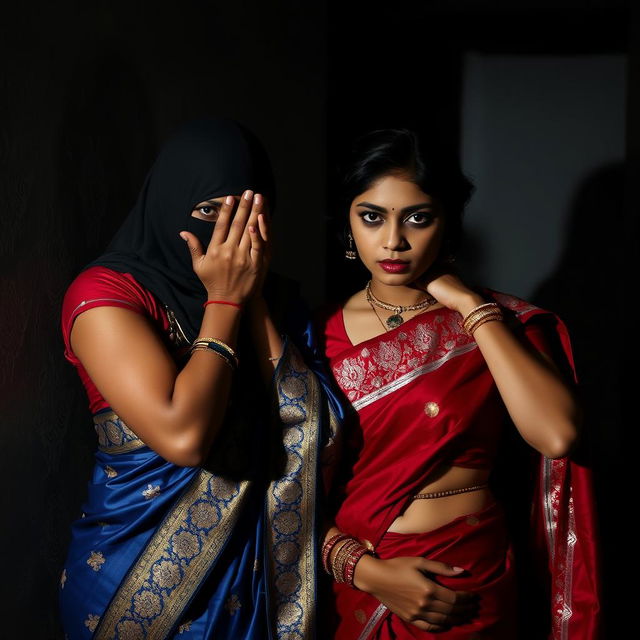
205	159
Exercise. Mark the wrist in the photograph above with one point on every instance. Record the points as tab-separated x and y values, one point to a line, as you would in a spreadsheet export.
468	303
223	300
364	574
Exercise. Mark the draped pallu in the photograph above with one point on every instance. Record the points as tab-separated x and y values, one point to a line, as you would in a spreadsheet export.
165	551
425	398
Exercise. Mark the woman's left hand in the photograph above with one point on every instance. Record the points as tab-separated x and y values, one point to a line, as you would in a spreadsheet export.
448	289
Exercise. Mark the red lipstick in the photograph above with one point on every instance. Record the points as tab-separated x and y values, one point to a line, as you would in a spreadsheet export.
394	266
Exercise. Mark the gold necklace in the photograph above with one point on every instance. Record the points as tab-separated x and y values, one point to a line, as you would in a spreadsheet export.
378	316
396	319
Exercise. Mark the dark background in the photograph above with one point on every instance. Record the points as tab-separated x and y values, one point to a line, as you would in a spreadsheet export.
91	90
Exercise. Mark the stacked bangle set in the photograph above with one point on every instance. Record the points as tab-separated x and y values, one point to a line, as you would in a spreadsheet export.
221	349
348	552
481	314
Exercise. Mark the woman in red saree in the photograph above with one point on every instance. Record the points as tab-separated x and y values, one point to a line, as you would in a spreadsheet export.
431	368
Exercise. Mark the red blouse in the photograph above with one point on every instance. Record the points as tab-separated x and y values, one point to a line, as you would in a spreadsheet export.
104	287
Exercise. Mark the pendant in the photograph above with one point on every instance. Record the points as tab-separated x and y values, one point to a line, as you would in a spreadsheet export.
394	321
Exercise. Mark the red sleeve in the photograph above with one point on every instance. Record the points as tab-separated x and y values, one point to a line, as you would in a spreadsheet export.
98	287
101	286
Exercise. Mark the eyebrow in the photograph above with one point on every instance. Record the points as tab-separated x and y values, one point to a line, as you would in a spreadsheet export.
209	203
410	209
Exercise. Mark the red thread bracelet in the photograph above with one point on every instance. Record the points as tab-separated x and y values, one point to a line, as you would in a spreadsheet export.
231	304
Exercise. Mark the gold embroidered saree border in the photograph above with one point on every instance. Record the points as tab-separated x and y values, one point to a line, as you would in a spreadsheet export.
180	554
291	501
114	436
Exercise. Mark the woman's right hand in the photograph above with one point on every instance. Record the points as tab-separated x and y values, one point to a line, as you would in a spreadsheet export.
232	265
403	586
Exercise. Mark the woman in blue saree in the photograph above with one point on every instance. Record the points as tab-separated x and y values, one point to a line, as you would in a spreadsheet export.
200	517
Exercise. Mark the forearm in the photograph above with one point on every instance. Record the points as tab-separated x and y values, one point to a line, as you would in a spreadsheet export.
266	338
541	406
201	390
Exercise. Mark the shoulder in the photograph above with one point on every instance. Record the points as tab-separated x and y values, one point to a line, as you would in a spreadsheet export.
99	286
103	287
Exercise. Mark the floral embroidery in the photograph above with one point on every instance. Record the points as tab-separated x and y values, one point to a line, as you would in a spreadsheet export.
151	491
350	373
110	471
63	578
92	622
233	604
185	627
389	361
96	560
382	363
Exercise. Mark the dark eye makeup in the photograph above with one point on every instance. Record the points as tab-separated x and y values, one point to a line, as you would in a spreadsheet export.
419	219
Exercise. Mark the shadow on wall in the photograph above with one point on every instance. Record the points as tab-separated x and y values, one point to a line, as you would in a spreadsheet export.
100	145
583	292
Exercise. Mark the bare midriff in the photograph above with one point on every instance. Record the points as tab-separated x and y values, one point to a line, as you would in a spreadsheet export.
423	515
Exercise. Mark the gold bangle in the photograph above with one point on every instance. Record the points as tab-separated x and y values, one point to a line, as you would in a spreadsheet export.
204	348
490	309
217	341
479	310
220	348
479	323
475	322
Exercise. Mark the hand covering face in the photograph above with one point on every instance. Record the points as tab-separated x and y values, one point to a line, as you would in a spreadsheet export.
206	159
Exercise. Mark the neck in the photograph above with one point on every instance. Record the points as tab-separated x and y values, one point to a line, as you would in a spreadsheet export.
400	295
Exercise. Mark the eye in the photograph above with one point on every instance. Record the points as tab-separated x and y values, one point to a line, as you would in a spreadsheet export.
423	219
207	211
370	217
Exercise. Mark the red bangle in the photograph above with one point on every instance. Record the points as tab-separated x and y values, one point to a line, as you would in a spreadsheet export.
327	547
350	568
231	304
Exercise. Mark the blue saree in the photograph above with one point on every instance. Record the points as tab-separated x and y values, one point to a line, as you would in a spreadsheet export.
182	552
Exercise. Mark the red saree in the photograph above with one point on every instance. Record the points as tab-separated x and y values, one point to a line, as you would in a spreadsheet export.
424	398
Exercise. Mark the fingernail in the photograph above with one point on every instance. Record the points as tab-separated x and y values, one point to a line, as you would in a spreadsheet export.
229	200
458	569
258	198
182	237
248	194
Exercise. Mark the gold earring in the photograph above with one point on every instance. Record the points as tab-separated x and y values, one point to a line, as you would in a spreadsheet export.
350	253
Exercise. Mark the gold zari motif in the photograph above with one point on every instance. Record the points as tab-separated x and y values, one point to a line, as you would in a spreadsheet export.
92	622
184	627
96	560
233	604
114	436
151	492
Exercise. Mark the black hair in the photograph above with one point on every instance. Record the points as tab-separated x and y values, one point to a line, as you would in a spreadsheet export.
432	167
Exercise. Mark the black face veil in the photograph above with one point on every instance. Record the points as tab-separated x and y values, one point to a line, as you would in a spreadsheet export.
206	159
